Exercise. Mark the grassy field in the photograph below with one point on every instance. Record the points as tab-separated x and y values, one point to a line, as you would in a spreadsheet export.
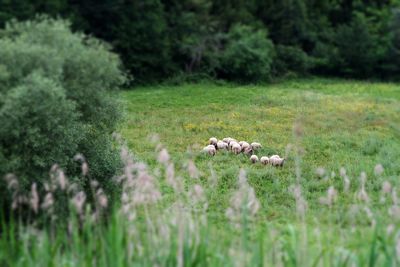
349	124
331	204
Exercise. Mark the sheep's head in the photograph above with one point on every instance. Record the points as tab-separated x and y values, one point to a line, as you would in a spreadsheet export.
248	151
264	160
213	141
254	158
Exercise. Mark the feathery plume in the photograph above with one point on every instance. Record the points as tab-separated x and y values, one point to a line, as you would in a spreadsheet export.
78	201
378	170
192	169
330	198
48	202
163	156
362	194
34	199
12	181
243	200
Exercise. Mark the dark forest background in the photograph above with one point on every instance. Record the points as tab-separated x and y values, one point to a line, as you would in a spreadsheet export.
237	40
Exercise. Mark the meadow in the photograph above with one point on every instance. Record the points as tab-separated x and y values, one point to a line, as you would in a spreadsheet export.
334	203
349	124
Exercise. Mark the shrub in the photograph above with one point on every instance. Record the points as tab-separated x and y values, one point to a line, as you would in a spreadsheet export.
56	99
39	127
290	59
247	55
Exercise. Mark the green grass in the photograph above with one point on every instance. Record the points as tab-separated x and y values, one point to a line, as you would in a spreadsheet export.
347	124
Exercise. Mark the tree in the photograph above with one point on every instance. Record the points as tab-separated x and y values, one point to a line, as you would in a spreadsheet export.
195	35
56	95
247	56
287	21
358	56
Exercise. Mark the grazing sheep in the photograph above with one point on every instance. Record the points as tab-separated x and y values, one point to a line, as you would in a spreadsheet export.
264	160
248	150
254	158
228	140
277	161
244	145
230	144
213	141
256	145
236	148
210	149
222	145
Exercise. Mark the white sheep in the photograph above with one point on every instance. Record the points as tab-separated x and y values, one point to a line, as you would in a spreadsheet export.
256	145
264	160
222	145
254	158
244	145
277	161
230	144
213	141
236	148
210	149
248	150
228	140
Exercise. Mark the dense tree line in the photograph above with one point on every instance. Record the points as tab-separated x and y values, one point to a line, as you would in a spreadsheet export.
243	40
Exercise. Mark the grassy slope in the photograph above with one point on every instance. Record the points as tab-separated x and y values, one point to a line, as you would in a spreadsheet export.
346	123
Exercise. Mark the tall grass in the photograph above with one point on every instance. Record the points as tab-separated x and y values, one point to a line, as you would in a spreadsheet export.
162	219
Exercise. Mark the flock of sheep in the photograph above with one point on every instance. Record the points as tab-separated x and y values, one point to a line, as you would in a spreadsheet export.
230	144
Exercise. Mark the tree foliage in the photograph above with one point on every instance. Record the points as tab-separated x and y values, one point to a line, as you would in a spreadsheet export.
161	38
56	101
247	55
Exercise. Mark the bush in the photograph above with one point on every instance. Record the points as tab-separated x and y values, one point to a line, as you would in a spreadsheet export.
247	55
39	127
290	59
55	89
